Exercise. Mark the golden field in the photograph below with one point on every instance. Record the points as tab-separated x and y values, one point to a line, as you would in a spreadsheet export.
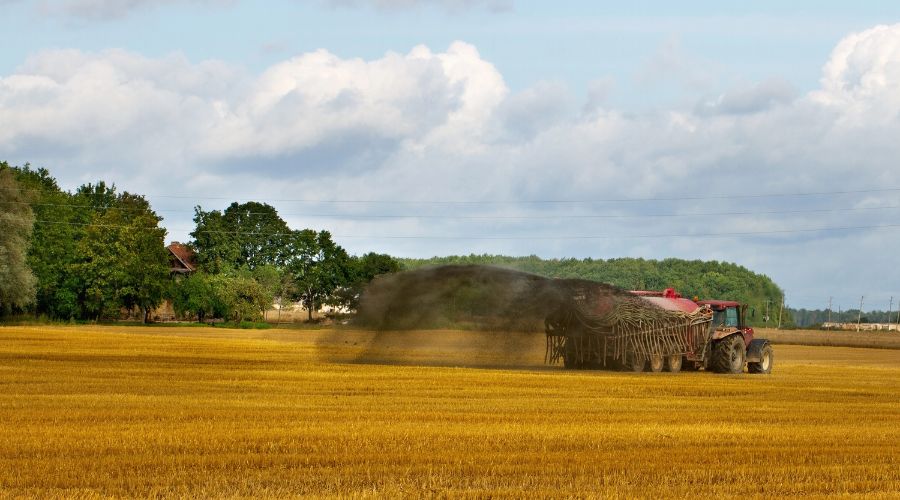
130	411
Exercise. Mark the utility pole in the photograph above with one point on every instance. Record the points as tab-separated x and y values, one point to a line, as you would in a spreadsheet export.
890	310
859	316
829	309
780	311
898	316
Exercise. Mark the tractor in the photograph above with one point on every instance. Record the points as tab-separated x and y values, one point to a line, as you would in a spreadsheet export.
644	330
731	344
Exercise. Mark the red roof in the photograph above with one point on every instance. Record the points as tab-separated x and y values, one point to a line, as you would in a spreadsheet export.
184	258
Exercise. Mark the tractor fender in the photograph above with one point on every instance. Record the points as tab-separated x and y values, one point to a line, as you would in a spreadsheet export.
721	333
754	350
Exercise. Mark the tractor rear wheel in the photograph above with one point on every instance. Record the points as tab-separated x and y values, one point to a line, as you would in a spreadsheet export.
764	365
674	363
728	355
656	363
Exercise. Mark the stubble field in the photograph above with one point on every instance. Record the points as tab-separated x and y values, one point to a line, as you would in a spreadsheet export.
117	411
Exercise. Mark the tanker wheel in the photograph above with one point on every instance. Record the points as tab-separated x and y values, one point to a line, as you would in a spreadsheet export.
728	355
569	357
764	365
674	363
656	363
638	363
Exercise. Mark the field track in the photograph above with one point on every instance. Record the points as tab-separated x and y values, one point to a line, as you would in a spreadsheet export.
118	411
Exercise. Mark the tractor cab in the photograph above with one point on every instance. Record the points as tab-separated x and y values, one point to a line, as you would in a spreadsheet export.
729	317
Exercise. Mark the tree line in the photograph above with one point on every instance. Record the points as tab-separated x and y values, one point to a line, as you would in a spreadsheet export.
93	253
815	317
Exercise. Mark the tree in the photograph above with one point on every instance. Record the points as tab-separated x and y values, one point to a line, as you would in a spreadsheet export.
144	260
318	267
121	261
240	295
17	282
276	283
362	271
52	249
246	234
197	295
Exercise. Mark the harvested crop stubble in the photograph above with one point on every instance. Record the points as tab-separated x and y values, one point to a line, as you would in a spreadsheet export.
219	413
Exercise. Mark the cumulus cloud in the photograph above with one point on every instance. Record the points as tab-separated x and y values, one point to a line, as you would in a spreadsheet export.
409	129
752	99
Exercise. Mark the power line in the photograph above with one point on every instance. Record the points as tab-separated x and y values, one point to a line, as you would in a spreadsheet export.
743	195
640	236
564	201
501	217
563	237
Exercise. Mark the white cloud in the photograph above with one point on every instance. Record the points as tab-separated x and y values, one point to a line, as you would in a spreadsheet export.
425	126
862	76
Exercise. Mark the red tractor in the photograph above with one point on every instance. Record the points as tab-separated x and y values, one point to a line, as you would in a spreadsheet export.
732	344
655	330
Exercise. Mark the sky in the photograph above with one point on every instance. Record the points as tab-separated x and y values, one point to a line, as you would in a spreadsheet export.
763	134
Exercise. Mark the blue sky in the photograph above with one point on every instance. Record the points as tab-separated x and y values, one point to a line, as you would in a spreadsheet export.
498	103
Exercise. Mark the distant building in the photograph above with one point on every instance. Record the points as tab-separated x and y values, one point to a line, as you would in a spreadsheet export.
181	259
863	327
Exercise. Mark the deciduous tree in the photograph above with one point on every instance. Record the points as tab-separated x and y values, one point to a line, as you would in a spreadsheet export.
17	282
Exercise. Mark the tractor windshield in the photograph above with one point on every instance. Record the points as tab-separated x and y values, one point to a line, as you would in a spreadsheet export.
726	318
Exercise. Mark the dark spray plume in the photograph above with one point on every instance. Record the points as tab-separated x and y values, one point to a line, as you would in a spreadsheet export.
474	297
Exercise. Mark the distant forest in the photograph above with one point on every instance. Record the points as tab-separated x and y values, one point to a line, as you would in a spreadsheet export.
815	317
703	279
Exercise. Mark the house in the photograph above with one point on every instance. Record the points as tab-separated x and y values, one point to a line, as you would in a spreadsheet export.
182	262
181	259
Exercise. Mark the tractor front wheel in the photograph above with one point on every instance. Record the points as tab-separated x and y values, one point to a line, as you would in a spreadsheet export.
764	365
728	355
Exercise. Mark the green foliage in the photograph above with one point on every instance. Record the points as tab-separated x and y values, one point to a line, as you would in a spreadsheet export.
318	267
246	234
363	270
233	295
94	252
691	278
52	252
196	295
241	296
17	282
121	261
